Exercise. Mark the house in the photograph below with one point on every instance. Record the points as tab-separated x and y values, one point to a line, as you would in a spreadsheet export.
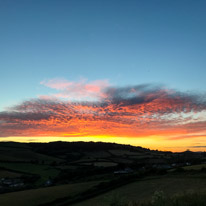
49	182
11	182
124	171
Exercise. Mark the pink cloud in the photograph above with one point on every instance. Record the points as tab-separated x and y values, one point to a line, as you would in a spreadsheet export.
59	84
79	90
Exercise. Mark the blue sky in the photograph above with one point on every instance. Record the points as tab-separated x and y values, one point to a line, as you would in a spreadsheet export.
125	42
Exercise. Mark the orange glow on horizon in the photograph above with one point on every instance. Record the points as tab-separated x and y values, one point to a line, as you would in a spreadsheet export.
157	119
153	142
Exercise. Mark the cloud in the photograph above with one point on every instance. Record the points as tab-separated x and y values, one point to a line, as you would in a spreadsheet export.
80	90
133	111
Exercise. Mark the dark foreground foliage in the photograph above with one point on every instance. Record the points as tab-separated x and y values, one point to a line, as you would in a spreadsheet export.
159	199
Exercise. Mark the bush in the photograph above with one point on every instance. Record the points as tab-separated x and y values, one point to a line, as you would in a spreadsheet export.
189	199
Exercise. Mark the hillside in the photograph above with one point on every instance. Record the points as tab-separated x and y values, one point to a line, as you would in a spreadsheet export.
40	169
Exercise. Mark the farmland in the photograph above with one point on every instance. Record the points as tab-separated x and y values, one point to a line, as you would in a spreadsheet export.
195	167
142	190
43	195
79	173
44	171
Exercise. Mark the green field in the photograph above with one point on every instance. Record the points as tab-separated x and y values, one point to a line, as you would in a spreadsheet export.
142	190
84	165
123	152
35	197
139	191
8	174
96	154
195	167
44	171
105	164
15	152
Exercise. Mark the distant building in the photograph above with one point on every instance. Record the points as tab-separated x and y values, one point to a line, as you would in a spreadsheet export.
11	182
49	183
124	171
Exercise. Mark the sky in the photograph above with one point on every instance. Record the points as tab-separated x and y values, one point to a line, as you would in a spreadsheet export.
125	71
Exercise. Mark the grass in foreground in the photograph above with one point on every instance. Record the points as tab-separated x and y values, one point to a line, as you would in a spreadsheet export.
35	197
142	190
195	167
159	199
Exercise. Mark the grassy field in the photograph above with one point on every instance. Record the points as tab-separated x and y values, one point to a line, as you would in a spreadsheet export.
123	152
44	171
195	167
187	199
84	163
8	174
96	154
16	152
18	157
144	189
105	164
159	199
35	197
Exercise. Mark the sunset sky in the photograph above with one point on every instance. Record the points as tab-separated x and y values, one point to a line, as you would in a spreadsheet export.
124	71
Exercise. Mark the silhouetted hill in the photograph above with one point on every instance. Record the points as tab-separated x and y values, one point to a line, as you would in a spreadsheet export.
62	147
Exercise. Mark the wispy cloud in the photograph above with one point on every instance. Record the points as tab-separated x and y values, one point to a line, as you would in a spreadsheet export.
141	110
80	90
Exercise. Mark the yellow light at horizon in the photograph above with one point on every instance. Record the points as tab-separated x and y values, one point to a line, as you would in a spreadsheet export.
152	142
